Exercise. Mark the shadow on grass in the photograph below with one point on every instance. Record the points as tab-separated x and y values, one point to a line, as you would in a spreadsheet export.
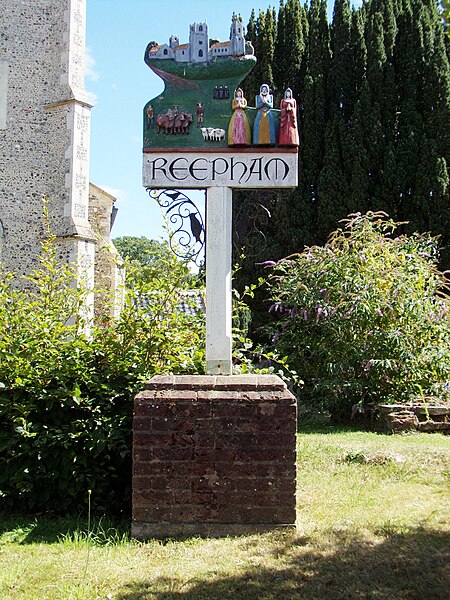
404	566
322	425
50	530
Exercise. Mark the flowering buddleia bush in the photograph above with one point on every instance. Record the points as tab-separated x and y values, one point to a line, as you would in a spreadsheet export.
365	318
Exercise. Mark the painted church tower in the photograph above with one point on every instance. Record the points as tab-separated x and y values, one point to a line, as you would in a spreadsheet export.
237	36
44	132
198	42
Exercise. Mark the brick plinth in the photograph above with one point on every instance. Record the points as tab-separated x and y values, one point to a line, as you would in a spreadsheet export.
213	455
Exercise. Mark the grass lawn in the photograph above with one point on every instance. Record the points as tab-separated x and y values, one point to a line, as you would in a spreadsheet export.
373	523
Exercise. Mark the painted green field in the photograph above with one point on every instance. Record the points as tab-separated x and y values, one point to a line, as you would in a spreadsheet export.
373	523
185	85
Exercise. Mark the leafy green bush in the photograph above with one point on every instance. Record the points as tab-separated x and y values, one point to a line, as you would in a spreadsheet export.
365	319
66	399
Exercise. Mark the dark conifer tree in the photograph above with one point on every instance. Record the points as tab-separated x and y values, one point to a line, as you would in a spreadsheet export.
314	116
264	31
281	52
333	185
341	73
268	48
423	154
251	34
358	51
295	46
373	91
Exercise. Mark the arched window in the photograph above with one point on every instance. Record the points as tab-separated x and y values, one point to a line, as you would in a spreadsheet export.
200	53
165	51
200	28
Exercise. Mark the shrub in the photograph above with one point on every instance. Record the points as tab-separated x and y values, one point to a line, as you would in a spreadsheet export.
365	318
66	398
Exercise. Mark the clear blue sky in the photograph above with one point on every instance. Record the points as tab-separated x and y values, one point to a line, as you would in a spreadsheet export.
120	84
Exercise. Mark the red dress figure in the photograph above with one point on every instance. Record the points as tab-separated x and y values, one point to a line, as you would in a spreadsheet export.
288	121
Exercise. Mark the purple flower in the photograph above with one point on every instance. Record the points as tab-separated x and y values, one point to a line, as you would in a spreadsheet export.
278	308
267	263
368	365
304	315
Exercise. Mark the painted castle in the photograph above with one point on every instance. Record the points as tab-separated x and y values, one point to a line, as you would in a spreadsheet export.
198	50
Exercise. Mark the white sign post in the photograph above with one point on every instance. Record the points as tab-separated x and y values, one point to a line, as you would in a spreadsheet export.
219	211
220	172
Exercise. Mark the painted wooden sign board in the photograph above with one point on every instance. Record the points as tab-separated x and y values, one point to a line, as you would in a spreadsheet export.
200	133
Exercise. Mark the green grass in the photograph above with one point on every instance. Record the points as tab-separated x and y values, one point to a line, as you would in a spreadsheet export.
373	523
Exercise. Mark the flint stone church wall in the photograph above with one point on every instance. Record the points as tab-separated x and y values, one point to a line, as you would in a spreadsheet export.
44	131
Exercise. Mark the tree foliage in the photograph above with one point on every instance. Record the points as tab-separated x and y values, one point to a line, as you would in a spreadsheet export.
141	250
365	318
66	399
373	93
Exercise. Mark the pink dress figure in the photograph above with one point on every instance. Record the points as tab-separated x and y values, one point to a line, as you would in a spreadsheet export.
239	128
288	121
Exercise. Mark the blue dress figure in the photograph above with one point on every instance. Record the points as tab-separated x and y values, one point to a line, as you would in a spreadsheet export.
264	130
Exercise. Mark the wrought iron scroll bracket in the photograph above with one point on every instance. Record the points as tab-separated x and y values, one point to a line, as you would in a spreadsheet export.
187	228
250	219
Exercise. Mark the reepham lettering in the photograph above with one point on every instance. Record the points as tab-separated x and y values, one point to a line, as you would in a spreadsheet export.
245	170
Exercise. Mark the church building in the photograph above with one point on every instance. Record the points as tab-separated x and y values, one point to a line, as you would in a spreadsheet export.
44	135
198	50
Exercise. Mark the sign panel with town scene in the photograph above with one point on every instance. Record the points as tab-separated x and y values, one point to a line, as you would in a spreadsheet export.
204	109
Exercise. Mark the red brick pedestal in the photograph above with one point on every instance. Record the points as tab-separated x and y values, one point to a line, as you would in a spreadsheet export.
213	455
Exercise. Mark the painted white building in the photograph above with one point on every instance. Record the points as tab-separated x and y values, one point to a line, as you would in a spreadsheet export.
198	49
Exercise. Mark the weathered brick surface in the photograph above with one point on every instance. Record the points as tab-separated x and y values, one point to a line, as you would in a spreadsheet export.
213	455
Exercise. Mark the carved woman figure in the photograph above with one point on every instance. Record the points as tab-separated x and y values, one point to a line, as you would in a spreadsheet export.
264	132
239	127
288	120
